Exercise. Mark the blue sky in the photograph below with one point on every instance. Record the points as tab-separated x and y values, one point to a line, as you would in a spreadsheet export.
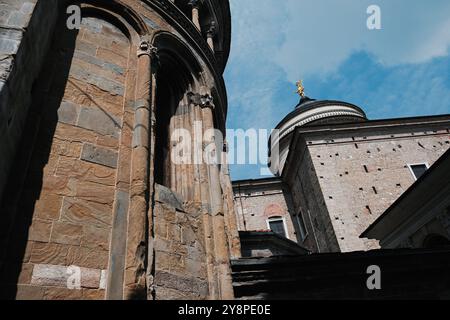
399	71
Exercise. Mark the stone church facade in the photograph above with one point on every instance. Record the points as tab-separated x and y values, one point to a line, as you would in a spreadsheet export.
93	205
88	191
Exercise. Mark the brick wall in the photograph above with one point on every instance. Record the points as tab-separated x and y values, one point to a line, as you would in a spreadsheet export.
353	177
254	205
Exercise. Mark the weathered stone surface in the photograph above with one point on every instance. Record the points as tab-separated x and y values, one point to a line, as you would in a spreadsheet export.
74	134
27	292
68	112
103	279
40	231
167	196
66	233
70	167
99	121
86	212
95	192
95	237
62	294
102	156
101	82
65	276
118	247
49	253
93	294
48	207
96	75
88	257
26	273
50	275
179	283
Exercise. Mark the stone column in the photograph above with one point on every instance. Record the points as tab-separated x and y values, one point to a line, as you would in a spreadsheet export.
210	35
137	240
219	236
230	212
195	4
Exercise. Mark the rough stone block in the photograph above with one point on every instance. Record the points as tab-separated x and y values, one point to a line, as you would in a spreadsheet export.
48	253
9	46
99	121
68	112
86	212
40	231
99	155
65	233
168	197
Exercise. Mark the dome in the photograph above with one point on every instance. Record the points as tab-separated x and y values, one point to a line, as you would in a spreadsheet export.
309	112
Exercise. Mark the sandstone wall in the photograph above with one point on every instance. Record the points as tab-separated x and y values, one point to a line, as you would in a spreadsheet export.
21	58
81	191
66	204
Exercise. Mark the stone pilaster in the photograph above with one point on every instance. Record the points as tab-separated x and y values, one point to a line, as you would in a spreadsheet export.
138	223
219	236
195	4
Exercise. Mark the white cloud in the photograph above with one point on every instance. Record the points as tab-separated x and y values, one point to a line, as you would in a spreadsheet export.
315	36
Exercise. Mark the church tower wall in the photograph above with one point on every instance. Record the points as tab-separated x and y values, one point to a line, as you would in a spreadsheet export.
92	191
350	174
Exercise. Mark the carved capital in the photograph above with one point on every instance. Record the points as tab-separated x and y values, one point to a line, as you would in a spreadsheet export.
146	48
195	3
212	29
203	101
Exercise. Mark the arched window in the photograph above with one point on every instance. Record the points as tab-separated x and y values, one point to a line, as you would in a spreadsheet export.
178	74
277	225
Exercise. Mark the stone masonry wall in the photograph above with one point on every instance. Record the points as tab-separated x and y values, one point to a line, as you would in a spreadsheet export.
21	58
254	205
179	249
361	176
308	201
79	196
65	209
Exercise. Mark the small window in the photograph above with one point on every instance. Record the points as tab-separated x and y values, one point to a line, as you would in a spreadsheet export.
418	170
301	226
276	225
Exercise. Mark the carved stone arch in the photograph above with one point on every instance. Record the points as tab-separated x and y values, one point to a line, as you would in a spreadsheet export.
170	45
118	11
178	80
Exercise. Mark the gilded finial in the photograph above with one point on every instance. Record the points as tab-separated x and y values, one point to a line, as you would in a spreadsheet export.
300	88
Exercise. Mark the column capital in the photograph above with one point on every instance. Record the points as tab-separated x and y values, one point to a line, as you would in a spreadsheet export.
203	101
212	29
146	48
195	3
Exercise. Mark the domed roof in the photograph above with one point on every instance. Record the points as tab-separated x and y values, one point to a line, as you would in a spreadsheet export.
309	112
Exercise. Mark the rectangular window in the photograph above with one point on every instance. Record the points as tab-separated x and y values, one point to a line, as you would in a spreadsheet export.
301	226
418	170
276	225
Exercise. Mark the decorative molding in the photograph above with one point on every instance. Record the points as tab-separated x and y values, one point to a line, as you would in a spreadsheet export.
146	48
203	101
176	14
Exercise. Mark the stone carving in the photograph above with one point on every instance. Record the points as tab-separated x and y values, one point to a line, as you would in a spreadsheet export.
146	48
204	101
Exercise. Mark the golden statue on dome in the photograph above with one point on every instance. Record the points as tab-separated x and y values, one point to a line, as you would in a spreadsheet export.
300	88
